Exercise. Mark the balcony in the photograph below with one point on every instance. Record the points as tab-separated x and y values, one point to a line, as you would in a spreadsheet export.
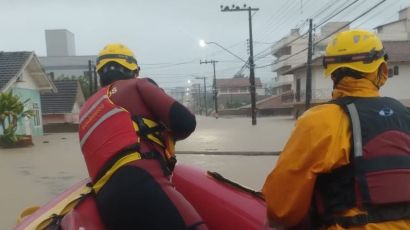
318	96
283	80
280	66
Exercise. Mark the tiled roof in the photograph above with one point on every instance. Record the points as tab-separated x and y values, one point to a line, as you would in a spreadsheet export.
236	82
398	51
10	64
62	101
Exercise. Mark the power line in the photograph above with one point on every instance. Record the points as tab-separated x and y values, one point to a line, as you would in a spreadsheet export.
335	14
380	11
304	34
281	15
324	8
317	42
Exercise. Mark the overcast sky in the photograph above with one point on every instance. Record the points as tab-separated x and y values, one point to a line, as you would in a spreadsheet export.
164	34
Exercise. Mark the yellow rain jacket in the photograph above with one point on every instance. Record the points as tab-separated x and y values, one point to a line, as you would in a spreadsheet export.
320	142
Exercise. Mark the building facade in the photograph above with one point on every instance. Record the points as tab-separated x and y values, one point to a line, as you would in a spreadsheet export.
396	86
235	92
398	30
22	74
61	59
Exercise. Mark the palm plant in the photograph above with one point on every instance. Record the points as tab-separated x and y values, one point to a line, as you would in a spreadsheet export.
11	110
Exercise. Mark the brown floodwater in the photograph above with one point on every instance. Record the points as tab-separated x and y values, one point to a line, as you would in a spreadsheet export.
34	175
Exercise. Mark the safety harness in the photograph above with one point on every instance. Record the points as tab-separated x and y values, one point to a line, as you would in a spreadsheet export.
377	179
147	129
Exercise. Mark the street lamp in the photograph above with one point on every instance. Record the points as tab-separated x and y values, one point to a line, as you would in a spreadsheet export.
203	43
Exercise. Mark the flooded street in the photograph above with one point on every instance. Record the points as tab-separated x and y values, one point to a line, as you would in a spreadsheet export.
32	176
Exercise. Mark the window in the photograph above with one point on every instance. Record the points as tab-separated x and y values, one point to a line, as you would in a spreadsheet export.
396	70
36	116
390	72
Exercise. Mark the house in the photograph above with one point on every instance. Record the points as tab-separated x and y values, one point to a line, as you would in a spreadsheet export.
64	105
235	92
399	67
321	87
290	53
22	73
396	87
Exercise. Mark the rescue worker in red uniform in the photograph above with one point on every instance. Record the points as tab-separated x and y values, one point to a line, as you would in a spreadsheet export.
127	134
347	162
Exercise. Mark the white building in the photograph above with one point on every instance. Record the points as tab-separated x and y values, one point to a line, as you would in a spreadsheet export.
398	83
291	51
284	50
60	43
61	56
398	30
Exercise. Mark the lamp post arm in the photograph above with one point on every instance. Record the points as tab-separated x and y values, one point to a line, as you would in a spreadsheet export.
227	51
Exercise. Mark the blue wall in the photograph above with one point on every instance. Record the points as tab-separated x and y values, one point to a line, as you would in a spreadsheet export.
35	123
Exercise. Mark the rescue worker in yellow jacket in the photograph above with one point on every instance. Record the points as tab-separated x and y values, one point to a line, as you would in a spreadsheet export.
127	133
347	162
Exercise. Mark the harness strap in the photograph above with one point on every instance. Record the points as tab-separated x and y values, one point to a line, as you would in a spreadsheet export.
53	221
121	162
55	218
375	215
148	129
157	156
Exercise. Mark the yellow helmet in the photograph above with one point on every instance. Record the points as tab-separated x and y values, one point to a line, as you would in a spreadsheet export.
119	53
360	50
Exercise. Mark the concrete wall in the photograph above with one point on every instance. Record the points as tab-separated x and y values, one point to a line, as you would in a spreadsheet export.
61	128
396	31
60	118
398	86
67	66
321	85
60	43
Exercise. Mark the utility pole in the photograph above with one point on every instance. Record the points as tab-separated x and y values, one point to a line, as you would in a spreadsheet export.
90	77
95	79
198	99
308	94
213	62
251	61
206	106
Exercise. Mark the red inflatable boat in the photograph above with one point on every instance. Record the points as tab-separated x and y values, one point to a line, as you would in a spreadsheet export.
222	204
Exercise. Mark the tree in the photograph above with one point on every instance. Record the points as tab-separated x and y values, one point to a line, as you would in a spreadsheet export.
85	85
11	110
